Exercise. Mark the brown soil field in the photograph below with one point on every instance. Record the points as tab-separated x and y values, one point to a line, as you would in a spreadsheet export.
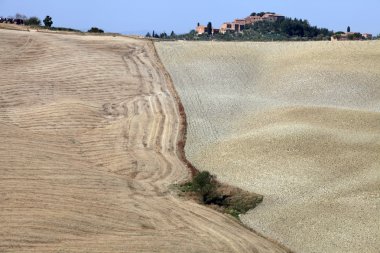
298	122
89	128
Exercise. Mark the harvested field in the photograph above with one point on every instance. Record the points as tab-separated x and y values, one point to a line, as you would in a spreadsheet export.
89	128
296	122
13	27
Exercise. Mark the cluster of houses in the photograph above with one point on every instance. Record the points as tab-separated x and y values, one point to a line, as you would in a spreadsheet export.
238	25
17	21
351	36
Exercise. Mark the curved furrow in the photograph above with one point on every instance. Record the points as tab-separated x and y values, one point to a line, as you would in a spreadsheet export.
88	147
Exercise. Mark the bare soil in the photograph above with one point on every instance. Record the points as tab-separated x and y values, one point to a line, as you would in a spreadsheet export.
89	133
296	122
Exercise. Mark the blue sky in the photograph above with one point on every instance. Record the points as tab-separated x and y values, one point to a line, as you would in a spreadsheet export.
181	16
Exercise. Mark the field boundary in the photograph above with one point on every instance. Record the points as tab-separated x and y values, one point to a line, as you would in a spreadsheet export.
183	136
183	118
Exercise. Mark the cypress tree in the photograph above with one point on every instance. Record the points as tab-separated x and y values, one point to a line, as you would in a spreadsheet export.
209	28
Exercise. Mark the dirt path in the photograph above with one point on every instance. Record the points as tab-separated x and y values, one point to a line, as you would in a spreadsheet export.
88	148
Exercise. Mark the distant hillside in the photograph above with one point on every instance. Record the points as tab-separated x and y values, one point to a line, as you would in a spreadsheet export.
285	29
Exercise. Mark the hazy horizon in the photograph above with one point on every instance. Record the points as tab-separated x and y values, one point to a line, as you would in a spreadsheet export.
167	15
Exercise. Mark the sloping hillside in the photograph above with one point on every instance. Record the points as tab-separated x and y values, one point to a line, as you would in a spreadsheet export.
88	147
296	122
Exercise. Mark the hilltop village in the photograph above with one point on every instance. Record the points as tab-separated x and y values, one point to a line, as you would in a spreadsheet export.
239	25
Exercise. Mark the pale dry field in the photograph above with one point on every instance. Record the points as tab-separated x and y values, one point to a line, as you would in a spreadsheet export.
13	27
88	148
296	122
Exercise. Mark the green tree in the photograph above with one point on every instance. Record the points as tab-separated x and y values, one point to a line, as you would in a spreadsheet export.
348	29
33	21
148	35
95	30
209	28
173	35
48	21
204	183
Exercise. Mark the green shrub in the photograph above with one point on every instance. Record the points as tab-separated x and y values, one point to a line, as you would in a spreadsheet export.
227	199
187	187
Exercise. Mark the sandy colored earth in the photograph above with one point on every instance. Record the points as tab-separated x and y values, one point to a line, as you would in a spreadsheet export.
296	122
89	128
13	27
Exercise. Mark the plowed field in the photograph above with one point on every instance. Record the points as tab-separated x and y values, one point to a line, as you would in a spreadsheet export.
89	128
296	122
